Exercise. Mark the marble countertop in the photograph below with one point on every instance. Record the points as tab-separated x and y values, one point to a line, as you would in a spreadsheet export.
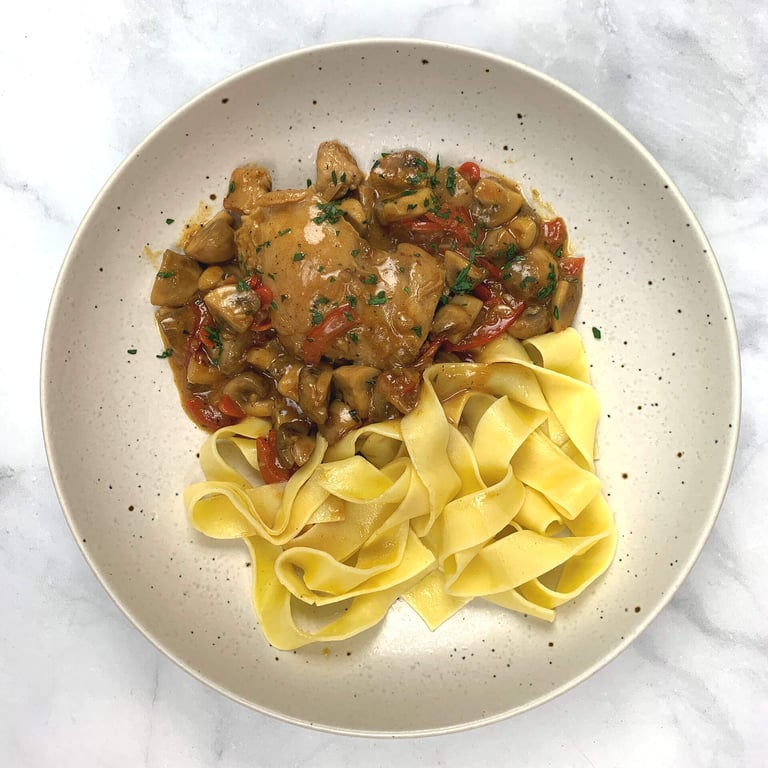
82	84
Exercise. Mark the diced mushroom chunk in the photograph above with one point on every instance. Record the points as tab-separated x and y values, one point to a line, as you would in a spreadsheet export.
235	307
214	242
176	280
495	204
565	302
354	385
455	318
315	392
397	171
246	185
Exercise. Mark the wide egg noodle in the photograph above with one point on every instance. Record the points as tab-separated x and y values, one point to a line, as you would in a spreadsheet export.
485	490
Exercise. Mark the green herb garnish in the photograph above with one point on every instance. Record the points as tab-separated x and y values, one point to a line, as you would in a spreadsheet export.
169	221
131	351
353	337
329	212
166	274
298	256
450	181
167	352
316	316
352	301
417	330
370	279
596	333
549	288
231	187
379	298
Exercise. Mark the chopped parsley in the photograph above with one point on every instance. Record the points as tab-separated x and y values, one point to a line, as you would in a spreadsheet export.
283	232
167	352
354	252
556	312
527	280
322	300
549	288
309	183
169	221
370	279
462	284
419	163
353	337
344	177
595	332
376	164
407	290
243	285
334	178
352	301
417	330
214	335
559	251
316	316
261	246
450	181
273	304
378	299
166	274
131	351
231	187
348	316
298	256
329	212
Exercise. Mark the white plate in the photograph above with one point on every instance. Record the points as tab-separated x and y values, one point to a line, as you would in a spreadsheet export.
666	369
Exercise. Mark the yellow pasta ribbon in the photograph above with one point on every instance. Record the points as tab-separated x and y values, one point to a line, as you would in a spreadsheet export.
485	490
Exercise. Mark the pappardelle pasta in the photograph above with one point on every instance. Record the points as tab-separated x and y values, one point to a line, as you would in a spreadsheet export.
399	407
485	490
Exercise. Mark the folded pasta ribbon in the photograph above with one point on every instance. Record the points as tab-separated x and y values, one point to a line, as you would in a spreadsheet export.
485	490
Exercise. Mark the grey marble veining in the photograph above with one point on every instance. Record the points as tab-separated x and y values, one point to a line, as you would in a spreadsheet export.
81	86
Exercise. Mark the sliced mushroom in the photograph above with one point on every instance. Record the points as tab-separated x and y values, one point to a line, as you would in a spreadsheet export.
235	307
246	185
565	302
214	242
288	381
341	419
366	194
452	188
400	387
354	385
262	357
201	373
406	205
251	391
176	280
496	204
176	326
455	318
460	273
210	278
337	171
233	350
534	321
315	392
531	276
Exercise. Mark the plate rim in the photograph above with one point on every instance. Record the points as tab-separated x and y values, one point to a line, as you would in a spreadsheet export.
730	332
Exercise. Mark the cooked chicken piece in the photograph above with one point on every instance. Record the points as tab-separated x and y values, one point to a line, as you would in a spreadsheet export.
246	185
337	171
315	262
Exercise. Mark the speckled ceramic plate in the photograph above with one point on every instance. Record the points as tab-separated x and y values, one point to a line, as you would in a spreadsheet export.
666	369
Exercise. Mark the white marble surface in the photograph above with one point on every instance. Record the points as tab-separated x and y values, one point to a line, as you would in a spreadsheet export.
81	84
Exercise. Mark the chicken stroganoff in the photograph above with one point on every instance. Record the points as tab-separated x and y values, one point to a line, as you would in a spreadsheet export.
320	308
391	353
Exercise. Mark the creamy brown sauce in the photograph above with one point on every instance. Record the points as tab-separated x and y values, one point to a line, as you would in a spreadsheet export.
319	308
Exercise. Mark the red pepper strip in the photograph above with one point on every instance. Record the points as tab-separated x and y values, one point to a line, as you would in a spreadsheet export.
269	465
456	223
572	266
262	325
470	171
428	353
484	292
207	415
497	321
337	322
230	407
489	266
554	232
264	292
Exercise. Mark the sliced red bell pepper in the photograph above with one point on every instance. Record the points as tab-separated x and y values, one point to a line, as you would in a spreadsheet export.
428	353
337	322
498	319
489	266
572	266
453	222
264	292
269	464
230	407
470	171
554	232
207	415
